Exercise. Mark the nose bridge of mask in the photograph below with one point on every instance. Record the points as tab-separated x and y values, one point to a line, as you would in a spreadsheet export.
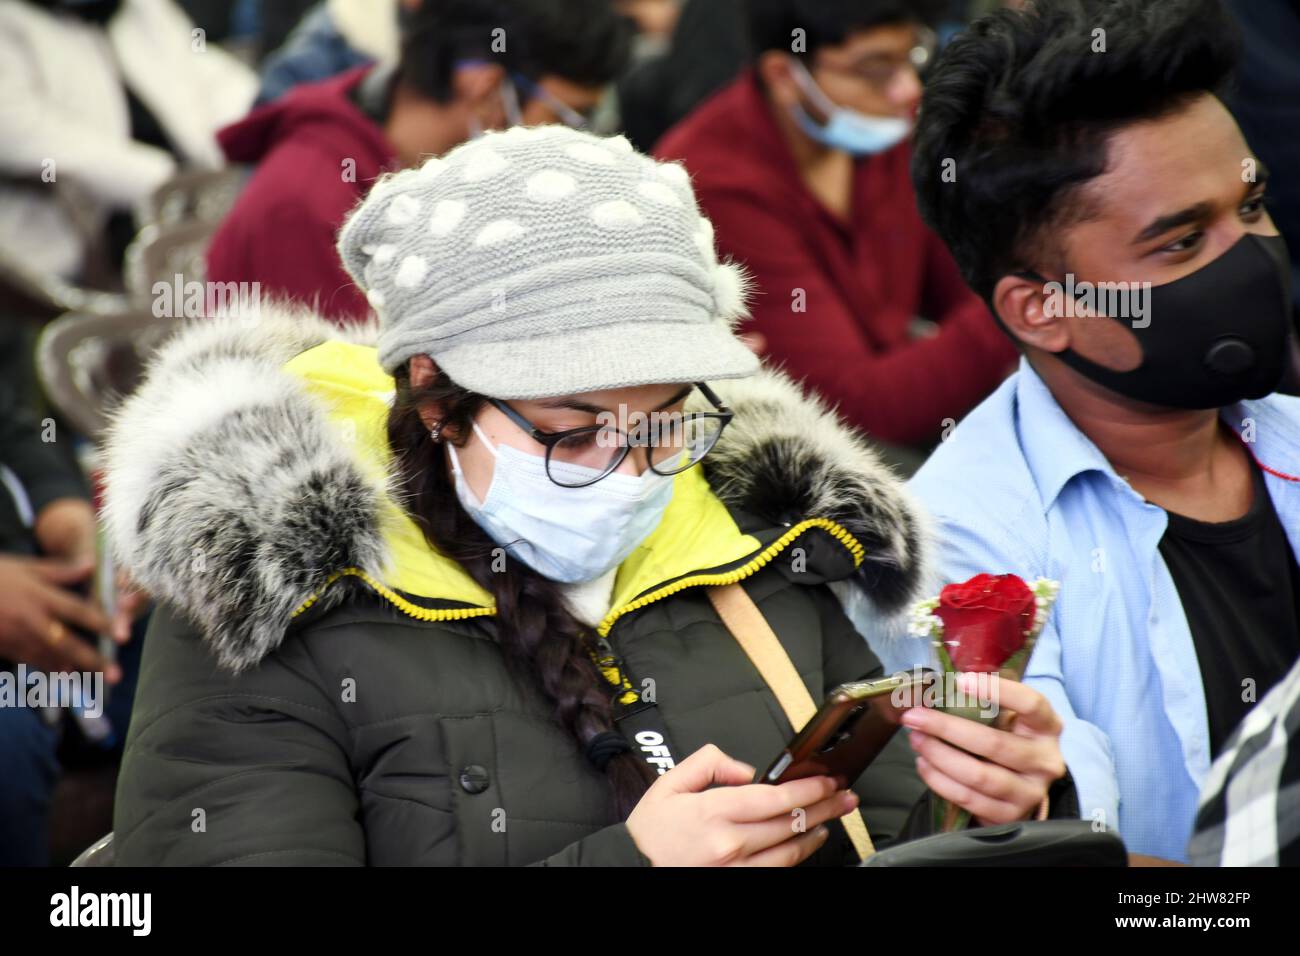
636	488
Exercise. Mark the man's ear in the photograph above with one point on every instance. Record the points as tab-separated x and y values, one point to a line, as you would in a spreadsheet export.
775	70
1022	305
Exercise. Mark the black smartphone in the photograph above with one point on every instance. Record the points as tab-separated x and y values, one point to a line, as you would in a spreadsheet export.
850	729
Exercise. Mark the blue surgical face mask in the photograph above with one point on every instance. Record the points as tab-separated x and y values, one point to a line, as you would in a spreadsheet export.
855	133
564	534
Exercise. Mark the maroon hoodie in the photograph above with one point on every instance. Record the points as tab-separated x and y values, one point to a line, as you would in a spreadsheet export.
316	155
837	297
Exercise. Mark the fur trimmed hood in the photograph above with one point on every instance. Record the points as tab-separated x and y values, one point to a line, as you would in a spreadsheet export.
231	496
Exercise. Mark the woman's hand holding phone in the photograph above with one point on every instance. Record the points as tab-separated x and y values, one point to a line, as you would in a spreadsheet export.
682	822
1019	763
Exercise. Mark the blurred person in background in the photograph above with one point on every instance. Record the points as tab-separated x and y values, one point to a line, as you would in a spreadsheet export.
707	50
249	28
333	37
802	164
101	102
655	21
47	562
338	35
319	149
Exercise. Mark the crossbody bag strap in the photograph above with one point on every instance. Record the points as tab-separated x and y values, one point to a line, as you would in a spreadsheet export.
755	636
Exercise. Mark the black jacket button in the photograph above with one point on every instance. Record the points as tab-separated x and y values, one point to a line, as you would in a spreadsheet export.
474	778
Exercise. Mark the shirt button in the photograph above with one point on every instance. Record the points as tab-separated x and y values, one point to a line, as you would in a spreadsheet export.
473	779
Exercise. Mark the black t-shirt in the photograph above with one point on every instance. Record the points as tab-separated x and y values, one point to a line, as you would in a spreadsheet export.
1240	588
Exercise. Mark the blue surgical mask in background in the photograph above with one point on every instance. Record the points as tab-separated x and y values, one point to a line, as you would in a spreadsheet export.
564	534
855	133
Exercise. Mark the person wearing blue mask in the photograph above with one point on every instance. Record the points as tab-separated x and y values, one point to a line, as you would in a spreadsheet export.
446	594
802	164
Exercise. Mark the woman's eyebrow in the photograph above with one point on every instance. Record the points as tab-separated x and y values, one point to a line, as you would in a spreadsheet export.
581	406
572	403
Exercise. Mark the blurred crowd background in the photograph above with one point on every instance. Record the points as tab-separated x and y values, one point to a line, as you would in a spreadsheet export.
155	154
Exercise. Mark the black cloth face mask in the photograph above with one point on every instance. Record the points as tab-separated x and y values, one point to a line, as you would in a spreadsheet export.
1213	338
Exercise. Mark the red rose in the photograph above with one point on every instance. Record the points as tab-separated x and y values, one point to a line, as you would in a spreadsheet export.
985	620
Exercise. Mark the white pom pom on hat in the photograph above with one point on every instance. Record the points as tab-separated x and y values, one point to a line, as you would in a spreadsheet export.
731	290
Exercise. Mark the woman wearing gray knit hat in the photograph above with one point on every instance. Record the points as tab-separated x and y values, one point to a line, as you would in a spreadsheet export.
465	581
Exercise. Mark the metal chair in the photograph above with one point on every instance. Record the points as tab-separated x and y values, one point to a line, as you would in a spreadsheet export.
204	195
161	253
88	363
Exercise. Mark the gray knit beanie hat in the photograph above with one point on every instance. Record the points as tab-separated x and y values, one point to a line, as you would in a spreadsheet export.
545	261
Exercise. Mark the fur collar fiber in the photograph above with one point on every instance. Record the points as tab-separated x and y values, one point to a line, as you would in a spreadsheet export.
230	496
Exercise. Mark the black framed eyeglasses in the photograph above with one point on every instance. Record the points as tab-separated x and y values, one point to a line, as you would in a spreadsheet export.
674	442
881	70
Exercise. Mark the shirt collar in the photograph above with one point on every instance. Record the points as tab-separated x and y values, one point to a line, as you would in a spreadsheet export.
1056	450
1054	447
1271	433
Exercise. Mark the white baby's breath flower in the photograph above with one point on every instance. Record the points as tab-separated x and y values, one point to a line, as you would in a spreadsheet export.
1045	592
922	621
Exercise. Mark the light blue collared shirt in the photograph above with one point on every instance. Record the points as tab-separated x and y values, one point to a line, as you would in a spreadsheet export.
1018	488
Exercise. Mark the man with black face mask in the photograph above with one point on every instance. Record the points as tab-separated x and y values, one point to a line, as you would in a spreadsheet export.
1097	194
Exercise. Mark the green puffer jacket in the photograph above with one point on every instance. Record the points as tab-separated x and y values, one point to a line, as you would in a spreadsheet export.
320	687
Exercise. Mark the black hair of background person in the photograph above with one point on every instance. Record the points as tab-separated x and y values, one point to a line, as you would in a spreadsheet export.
1266	104
1027	119
771	23
584	41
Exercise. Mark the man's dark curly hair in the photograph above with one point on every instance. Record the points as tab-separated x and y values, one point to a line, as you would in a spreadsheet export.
1024	104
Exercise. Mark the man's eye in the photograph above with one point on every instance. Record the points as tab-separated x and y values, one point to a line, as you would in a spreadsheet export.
1186	243
1254	206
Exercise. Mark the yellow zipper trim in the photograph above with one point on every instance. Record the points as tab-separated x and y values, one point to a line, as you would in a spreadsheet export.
749	568
629	694
837	531
388	594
